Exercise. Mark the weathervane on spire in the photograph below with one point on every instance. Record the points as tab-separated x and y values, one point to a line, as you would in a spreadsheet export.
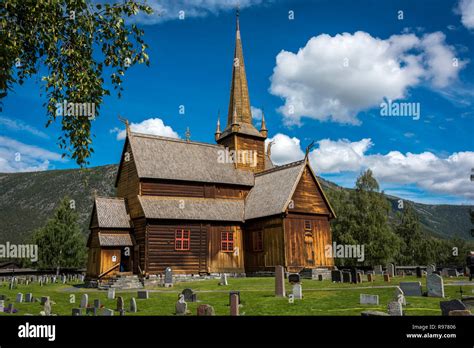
125	121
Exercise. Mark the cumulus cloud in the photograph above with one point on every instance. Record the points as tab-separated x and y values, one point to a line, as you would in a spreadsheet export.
332	78
285	149
165	10
435	174
16	156
256	113
466	9
153	126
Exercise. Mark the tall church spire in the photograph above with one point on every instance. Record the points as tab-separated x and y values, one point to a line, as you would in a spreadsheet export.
239	93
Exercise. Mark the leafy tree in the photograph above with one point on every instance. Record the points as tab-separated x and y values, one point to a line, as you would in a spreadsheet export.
60	242
363	219
413	246
74	44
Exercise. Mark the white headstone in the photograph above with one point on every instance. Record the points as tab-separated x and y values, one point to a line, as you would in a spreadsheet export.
395	308
223	279
297	291
369	299
111	294
84	301
435	285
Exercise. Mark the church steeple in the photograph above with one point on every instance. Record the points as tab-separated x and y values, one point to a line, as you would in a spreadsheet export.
239	93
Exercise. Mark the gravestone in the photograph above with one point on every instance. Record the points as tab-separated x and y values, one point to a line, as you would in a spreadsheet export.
294	278
336	276
359	277
44	299
97	303
29	297
411	288
386	277
168	277
370	277
353	275
391	270
223	281
234	305
430	269
418	272
395	308
378	270
369	299
107	312
320	277
84	301
234	293
297	291
143	294
189	295
76	312
460	313
279	281
133	305
91	311
346	277
452	272
435	285
2	306
399	296
11	308
120	303
453	305
205	310
111	294
181	306
373	314
47	307
19	297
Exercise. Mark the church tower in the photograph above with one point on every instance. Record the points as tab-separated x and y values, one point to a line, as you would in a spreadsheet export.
240	135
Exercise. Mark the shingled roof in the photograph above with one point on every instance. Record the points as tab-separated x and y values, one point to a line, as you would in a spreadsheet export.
159	157
206	209
273	190
115	239
111	213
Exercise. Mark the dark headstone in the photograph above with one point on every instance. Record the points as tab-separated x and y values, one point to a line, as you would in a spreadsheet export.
91	311
97	303
279	281
234	305
346	277
76	312
232	293
336	276
418	272
189	295
205	310
294	278
454	305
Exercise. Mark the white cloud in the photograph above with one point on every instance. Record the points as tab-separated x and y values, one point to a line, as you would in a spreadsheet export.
256	113
466	9
285	149
16	156
153	126
165	10
334	78
18	125
441	175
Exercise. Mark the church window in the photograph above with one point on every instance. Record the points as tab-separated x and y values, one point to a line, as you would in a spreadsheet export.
182	240
227	241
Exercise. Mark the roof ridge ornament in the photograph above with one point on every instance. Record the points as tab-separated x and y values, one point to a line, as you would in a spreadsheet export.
127	124
308	149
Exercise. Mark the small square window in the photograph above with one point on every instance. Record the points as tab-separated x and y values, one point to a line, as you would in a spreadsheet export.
227	241
182	240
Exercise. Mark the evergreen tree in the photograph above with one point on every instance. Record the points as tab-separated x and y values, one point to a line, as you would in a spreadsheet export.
60	242
413	246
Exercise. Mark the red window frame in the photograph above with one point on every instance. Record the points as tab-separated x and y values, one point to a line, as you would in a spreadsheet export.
258	241
182	240
227	241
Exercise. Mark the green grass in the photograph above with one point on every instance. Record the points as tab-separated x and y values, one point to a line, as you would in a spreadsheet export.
257	297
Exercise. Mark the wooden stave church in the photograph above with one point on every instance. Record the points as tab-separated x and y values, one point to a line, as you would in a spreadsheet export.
213	217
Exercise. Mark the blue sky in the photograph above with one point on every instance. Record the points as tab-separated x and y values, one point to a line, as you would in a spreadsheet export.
352	56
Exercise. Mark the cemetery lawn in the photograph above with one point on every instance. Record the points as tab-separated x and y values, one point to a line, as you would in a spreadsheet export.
257	297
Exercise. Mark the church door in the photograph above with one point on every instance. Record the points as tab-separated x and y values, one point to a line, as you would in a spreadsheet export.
309	248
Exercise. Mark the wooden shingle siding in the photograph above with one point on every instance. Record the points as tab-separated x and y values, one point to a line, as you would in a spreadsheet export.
127	183
297	256
273	253
220	261
161	248
307	197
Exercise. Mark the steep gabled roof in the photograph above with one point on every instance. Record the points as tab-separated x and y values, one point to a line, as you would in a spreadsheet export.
273	190
115	239
205	209
159	157
111	213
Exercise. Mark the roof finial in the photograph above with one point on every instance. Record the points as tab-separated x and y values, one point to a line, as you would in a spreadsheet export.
237	14
308	149
218	128
127	125
188	134
263	128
